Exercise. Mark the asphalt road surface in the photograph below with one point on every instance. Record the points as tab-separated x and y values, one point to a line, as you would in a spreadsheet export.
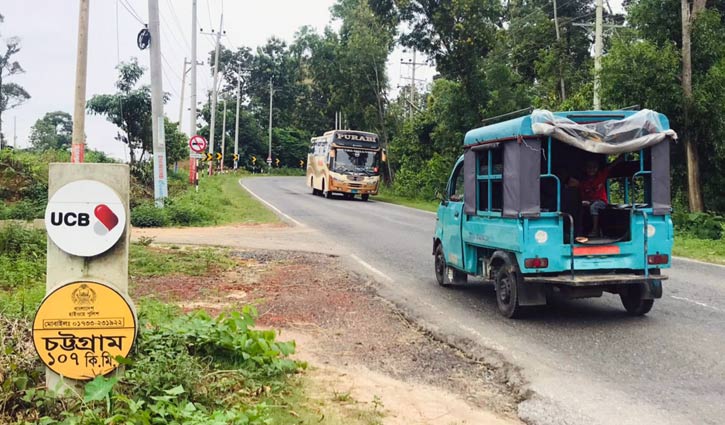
586	361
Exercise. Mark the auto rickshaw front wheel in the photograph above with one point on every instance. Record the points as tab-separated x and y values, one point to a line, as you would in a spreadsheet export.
631	297
506	282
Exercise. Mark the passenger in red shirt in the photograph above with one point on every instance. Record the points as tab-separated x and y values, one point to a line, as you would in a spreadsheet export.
593	190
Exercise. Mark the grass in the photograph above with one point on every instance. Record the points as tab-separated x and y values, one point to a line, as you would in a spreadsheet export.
220	200
712	251
146	261
305	401
228	201
386	195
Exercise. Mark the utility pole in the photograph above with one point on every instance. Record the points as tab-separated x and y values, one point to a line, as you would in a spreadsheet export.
411	96
157	107
598	30
192	98
558	37
15	132
597	55
183	85
236	125
269	154
79	109
214	90
224	133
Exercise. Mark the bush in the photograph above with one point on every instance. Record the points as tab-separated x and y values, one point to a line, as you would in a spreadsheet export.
18	242
699	225
187	214
147	215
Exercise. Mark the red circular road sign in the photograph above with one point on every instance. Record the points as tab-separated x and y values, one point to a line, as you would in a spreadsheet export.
197	144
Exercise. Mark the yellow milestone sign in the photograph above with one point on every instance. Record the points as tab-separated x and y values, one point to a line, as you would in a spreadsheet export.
81	327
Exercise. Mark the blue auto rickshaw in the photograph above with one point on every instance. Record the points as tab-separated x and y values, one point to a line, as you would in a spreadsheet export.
514	212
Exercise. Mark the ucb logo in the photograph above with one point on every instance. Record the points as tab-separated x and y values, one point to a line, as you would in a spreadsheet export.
70	219
107	219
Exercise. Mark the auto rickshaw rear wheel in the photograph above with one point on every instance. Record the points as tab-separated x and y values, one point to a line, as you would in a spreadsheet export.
506	282
446	275
632	301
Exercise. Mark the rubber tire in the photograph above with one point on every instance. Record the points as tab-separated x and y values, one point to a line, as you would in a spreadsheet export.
632	301
447	276
365	197
506	282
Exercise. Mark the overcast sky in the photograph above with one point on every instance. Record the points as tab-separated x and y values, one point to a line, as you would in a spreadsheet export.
48	33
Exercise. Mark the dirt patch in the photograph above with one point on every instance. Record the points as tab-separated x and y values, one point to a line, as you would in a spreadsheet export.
357	343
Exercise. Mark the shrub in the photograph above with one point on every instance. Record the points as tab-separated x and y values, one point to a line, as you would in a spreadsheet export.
147	215
187	214
18	242
699	225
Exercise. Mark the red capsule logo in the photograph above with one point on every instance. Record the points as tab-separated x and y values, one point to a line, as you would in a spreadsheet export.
106	217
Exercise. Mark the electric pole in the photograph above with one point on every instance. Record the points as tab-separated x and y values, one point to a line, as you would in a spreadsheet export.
236	125
214	90
192	98
598	30
411	96
183	85
224	133
157	107
558	37
597	55
79	109
269	155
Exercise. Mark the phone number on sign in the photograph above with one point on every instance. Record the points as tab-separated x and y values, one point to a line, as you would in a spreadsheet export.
113	322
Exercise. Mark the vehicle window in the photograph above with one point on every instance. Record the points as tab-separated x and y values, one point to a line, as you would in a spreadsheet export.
456	190
490	180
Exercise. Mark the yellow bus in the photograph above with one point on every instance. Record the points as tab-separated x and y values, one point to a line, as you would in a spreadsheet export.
346	162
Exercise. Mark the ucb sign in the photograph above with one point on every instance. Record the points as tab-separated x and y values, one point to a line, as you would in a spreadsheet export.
85	218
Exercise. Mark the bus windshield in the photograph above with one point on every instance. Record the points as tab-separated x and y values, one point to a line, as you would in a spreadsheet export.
353	160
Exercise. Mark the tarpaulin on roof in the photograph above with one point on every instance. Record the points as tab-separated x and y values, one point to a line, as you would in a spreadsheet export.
640	130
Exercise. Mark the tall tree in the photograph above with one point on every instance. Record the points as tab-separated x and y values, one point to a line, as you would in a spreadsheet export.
129	109
12	95
53	131
690	11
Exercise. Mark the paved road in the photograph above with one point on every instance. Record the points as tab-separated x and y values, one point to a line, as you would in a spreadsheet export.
586	361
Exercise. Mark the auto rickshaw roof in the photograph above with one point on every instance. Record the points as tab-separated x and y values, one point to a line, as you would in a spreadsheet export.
595	131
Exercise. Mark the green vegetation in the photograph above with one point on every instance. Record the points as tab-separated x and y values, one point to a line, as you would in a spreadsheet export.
184	369
149	261
389	196
220	200
699	249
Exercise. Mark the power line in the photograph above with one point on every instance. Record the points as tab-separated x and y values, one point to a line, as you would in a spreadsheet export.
132	11
177	21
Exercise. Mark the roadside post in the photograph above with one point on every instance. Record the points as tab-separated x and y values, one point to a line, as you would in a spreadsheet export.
197	145
86	319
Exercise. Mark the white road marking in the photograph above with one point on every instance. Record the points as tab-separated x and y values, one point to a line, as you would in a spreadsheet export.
272	207
371	268
405	206
690	260
701	304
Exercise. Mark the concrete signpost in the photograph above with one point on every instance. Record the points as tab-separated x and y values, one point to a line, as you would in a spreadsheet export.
86	318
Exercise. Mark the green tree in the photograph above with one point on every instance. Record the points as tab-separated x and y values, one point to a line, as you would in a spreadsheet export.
12	95
177	147
695	111
53	131
129	109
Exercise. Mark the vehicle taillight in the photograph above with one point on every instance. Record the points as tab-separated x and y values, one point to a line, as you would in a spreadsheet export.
658	259
536	263
375	169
